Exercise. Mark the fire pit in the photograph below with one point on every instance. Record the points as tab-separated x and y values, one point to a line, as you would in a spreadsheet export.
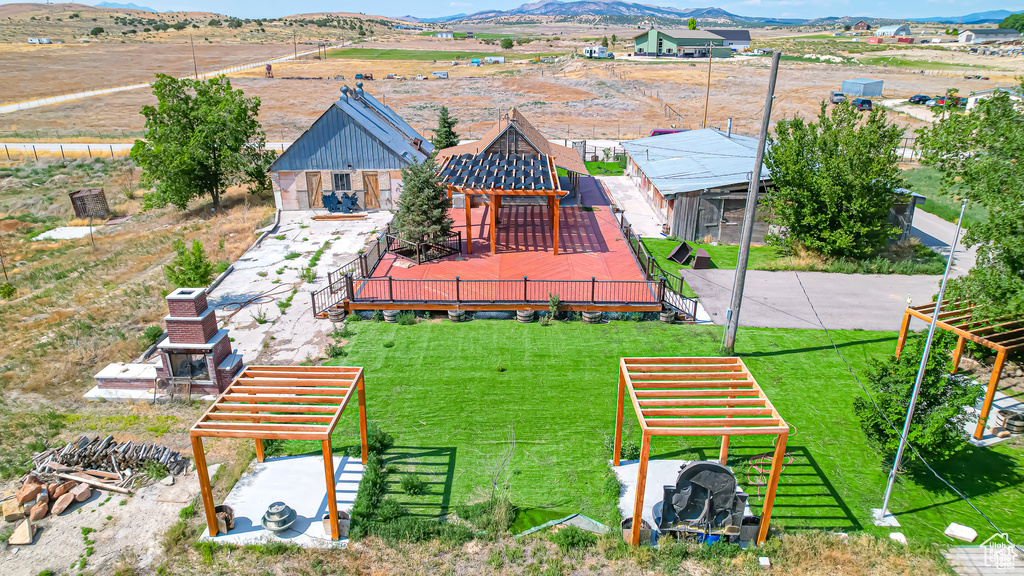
1012	420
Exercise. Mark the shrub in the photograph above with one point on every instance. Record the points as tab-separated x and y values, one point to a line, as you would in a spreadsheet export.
573	538
412	485
937	429
492	516
335	351
553	303
188	268
406	319
377	316
152	335
389	510
8	291
377	440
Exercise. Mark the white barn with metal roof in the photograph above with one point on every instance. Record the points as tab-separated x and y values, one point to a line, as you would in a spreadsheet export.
697	181
358	145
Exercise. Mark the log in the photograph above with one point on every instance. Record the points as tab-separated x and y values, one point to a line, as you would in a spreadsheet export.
96	483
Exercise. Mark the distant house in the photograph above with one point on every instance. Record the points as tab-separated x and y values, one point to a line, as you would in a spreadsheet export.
894	30
595	52
469	35
679	44
862	25
494	59
444	34
986	35
736	39
972	100
40	41
697	181
357	146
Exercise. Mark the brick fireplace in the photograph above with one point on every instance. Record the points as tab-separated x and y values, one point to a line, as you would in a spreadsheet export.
194	348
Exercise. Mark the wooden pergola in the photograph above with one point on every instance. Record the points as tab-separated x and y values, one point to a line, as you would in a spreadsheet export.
487	178
281	403
1004	335
697	397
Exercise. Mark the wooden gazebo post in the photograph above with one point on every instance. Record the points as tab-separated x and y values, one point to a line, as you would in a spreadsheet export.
287	403
469	221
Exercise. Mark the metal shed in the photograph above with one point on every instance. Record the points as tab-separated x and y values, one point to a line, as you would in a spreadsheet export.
862	87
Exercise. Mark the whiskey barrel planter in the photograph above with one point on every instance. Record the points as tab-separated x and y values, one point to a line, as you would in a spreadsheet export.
668	316
592	317
391	316
336	314
525	316
457	315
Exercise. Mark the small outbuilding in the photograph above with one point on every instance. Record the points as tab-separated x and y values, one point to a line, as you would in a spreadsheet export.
862	25
494	59
988	35
444	34
862	87
893	30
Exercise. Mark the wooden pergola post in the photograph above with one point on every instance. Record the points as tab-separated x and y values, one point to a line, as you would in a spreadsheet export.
555	228
778	459
904	329
723	451
286	403
199	455
469	222
617	452
332	488
493	211
641	486
958	353
990	394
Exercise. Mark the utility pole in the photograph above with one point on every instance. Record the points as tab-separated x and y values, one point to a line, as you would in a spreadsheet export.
707	96
194	67
920	369
295	47
732	316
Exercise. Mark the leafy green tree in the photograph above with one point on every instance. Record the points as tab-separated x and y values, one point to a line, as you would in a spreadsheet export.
189	268
937	429
96	31
1014	21
614	39
979	156
214	22
691	23
423	206
506	43
445	136
604	42
835	181
201	138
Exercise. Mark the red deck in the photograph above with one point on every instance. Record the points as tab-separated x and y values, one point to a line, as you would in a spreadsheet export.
590	243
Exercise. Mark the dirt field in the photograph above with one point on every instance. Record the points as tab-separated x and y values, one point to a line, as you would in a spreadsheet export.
570	99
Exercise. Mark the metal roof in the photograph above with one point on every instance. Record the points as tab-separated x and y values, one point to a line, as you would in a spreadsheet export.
356	133
733	35
891	29
684	33
990	31
695	160
863	81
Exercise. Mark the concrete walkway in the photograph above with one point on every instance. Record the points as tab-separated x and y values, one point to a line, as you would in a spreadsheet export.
639	212
937	234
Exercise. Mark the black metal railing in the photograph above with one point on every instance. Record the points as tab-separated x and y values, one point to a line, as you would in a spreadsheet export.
652	270
424	251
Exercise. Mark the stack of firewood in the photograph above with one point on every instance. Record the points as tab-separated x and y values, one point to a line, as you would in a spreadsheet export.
111	456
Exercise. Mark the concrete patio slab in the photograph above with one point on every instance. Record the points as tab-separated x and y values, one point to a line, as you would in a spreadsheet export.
298	481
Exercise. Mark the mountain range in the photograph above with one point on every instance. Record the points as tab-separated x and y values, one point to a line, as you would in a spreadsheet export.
621	8
128	6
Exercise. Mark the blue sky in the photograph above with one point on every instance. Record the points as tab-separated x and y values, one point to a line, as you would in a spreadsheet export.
433	8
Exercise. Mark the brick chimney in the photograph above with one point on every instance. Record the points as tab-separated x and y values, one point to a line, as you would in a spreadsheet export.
194	348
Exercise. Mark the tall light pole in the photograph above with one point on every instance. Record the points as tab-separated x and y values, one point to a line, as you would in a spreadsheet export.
732	316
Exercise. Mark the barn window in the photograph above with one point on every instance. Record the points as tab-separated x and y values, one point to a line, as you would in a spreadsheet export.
342	182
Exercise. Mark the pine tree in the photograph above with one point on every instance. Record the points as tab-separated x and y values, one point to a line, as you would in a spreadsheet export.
604	41
445	136
423	207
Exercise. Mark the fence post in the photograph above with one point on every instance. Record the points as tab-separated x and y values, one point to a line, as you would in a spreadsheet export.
89	150
526	284
593	288
312	296
419	253
349	289
457	299
34	153
391	291
8	152
661	288
363	266
111	151
62	157
459	233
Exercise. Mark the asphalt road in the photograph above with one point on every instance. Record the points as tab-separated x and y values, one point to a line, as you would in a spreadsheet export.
842	301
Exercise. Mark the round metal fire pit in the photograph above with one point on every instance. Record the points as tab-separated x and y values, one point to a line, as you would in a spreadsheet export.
1012	420
279	517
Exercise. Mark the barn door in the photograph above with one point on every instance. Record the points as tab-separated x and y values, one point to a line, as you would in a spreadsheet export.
709	218
372	199
315	189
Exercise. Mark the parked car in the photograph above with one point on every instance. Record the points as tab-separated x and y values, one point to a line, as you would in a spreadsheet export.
861	103
836	97
919	99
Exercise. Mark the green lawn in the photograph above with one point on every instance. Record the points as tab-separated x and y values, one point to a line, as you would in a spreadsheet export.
722	256
925	181
441	55
604	168
437	387
918	64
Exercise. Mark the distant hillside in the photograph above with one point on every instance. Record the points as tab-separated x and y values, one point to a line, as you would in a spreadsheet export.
605	8
128	6
990	17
